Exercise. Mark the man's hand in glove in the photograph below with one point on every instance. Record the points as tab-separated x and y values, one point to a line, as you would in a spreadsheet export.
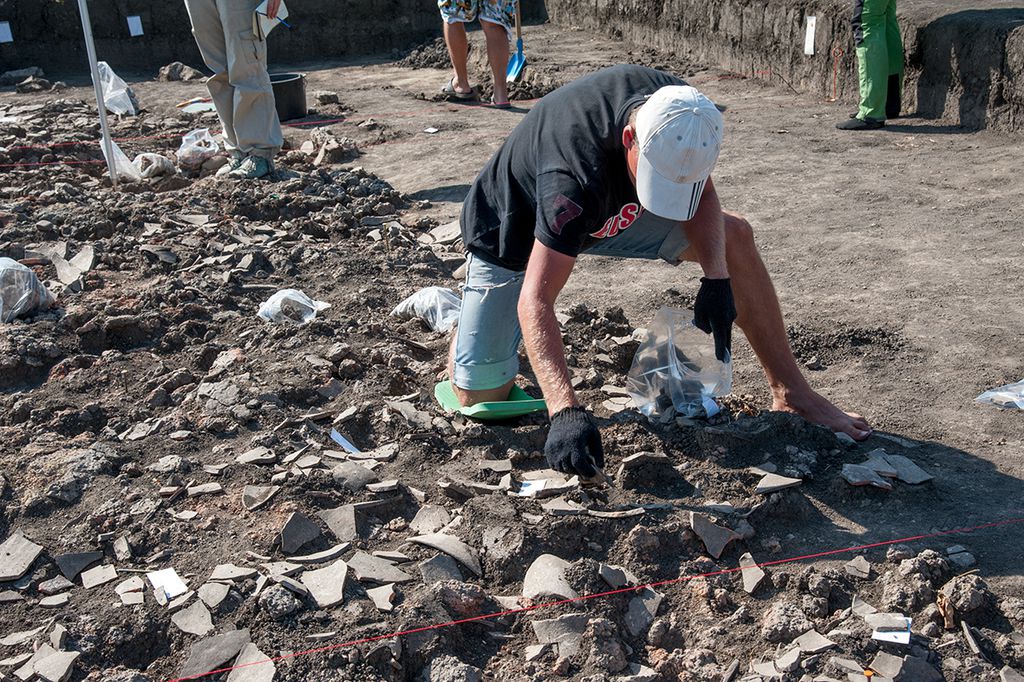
574	443
714	312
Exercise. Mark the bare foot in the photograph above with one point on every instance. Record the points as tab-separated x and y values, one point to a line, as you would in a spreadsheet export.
818	410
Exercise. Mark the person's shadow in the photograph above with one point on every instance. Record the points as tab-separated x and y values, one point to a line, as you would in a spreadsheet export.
958	55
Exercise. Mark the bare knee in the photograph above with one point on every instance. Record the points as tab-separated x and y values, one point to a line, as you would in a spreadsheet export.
738	231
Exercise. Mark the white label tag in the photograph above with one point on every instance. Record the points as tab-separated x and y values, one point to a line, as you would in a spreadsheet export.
809	36
135	26
5	32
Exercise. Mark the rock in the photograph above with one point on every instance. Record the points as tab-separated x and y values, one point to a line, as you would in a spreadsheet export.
321	557
752	573
789	660
907	471
462	599
916	669
260	455
774	482
176	71
886	664
344	522
351	476
17	75
784	622
1007	674
439	568
447	668
811	642
878	461
639	673
232	573
213	653
212	594
205	489
122	549
325	97
56	601
100	575
454	547
255	496
564	631
383	597
56	667
964	598
368	568
33	84
55	585
642	610
279	602
169	464
252	665
17	553
859	567
616	576
714	537
545	579
194	620
962	560
17	638
327	585
73	564
858	475
297	532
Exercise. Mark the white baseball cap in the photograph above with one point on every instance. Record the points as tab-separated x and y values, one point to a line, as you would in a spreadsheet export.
679	131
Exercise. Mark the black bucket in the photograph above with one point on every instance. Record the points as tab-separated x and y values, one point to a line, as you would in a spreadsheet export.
289	95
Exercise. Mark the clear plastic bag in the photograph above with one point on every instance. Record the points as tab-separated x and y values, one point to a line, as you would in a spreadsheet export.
291	305
676	367
21	292
1009	396
153	165
117	96
437	306
122	164
196	147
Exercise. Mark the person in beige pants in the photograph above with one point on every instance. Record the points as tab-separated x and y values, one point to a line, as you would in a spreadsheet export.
240	86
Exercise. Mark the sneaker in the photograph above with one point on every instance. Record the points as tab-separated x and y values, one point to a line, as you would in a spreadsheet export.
860	124
233	163
252	167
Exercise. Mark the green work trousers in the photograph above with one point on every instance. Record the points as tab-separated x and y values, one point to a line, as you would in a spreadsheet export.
879	54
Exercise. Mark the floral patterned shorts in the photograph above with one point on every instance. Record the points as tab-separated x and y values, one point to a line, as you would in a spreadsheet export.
501	12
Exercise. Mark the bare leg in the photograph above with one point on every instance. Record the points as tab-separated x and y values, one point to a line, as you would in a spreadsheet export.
467	397
458	49
760	318
497	55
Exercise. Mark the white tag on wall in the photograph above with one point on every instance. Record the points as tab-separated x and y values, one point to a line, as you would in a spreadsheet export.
5	32
809	36
135	26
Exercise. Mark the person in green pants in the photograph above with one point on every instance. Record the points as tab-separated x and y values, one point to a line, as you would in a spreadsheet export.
880	64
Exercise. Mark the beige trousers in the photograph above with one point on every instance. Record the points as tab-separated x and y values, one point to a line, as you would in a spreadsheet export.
240	87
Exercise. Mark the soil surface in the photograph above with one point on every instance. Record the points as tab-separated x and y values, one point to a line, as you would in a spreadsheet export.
896	257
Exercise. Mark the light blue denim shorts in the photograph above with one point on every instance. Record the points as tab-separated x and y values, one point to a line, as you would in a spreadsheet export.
488	336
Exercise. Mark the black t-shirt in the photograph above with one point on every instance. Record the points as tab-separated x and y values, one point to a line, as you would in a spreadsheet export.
561	175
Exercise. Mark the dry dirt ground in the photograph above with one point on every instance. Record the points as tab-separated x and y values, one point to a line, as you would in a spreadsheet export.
895	254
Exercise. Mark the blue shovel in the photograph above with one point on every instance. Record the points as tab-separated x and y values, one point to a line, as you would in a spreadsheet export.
518	61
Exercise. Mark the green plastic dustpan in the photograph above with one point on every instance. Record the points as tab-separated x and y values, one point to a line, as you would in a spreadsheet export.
519	403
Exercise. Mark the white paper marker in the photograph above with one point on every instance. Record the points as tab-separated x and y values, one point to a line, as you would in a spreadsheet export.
809	36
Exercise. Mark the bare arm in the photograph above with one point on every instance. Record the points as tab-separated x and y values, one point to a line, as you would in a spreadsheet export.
546	274
706	232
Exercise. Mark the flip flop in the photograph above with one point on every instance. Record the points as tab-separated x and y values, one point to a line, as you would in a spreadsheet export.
518	404
503	105
450	91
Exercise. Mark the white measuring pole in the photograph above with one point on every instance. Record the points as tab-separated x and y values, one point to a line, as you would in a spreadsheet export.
90	47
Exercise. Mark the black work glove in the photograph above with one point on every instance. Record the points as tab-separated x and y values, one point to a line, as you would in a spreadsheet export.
574	443
714	312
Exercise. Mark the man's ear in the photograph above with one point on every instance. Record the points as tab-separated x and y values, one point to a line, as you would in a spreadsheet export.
628	136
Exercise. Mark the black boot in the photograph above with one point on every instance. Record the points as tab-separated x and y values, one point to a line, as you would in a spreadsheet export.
860	124
894	98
